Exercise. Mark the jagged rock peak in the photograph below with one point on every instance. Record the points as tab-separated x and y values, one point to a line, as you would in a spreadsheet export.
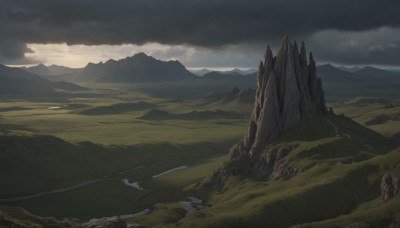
288	91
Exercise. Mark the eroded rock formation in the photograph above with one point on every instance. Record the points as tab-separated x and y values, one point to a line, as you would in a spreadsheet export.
390	186
106	222
288	92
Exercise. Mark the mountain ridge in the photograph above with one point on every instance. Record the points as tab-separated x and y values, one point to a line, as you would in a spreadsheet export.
51	70
137	68
15	80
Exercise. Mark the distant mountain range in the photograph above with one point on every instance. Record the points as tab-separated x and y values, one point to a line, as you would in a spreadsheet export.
338	82
18	81
43	70
365	75
235	71
138	68
366	81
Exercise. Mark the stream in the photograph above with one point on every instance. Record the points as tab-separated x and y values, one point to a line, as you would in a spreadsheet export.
134	185
128	216
194	204
170	171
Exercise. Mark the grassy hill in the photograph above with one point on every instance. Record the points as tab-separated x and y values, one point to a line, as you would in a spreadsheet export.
340	162
340	165
379	114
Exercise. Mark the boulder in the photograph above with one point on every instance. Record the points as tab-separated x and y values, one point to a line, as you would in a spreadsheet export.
107	222
390	186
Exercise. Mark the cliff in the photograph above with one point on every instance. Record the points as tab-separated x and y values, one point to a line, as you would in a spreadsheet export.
288	93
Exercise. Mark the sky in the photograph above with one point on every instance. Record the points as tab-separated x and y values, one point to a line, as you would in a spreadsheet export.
199	33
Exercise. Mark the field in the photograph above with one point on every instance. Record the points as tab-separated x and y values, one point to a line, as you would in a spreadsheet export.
119	150
377	113
104	140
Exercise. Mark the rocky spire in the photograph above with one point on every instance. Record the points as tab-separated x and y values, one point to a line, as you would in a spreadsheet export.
288	92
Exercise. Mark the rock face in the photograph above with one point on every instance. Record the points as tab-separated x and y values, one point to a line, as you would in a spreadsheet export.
288	92
390	186
108	222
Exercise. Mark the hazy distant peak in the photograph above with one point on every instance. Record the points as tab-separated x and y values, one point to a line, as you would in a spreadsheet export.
369	68
329	68
39	69
137	68
327	65
141	55
41	65
94	64
109	61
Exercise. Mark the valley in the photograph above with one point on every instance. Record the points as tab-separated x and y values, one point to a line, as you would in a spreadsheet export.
144	142
83	148
108	130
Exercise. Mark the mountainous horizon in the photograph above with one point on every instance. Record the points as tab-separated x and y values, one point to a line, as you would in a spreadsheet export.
59	69
327	70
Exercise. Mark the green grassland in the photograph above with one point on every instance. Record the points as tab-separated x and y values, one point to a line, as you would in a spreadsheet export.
82	147
69	121
75	149
20	218
339	184
371	112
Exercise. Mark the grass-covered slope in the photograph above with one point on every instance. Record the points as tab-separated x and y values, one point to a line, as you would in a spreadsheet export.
379	114
117	108
341	164
39	173
15	217
33	163
156	114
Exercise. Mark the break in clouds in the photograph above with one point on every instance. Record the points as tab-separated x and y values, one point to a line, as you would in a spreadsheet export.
228	32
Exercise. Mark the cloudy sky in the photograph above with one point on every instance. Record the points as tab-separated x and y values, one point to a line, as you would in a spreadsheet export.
199	33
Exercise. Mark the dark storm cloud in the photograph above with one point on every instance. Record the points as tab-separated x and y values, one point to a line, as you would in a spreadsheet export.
380	46
206	23
12	51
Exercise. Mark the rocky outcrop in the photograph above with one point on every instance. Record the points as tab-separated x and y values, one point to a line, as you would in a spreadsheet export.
107	222
390	186
288	92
